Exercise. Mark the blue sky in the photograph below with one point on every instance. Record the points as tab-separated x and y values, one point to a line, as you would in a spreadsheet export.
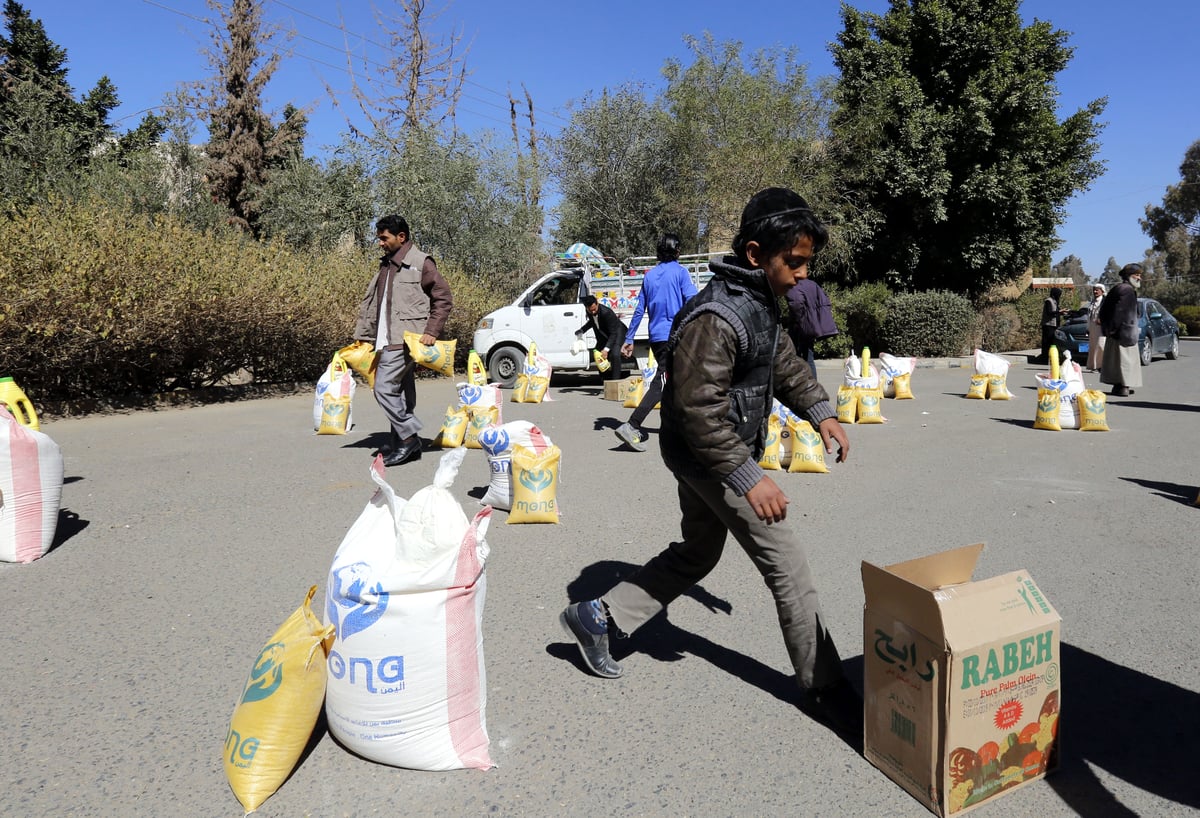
1142	56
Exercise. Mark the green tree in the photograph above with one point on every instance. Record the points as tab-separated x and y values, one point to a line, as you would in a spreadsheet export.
1174	226
1071	267
46	135
616	173
948	144
243	142
1112	273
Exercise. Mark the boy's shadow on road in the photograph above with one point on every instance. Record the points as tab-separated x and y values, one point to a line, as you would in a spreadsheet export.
664	641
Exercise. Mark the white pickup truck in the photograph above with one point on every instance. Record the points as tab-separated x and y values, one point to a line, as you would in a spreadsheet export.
550	311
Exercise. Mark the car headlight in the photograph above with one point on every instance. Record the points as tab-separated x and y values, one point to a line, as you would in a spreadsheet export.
484	323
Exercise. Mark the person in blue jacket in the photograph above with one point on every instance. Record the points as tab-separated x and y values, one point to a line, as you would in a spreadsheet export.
665	289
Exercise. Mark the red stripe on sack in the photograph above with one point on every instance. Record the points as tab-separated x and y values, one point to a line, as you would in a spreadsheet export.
537	440
27	486
463	683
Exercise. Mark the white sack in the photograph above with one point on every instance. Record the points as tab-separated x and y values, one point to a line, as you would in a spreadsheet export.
406	591
31	481
498	443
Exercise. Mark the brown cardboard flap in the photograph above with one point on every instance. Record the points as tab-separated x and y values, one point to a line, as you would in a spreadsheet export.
897	597
945	568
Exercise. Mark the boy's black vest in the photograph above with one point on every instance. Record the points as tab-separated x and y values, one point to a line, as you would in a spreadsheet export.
754	316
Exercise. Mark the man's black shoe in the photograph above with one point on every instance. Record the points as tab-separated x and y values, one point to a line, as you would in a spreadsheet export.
393	443
404	453
838	706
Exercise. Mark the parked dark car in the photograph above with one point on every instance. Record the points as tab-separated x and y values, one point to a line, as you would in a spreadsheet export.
1158	333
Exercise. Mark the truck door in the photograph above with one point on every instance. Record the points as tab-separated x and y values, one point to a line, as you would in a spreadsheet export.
552	313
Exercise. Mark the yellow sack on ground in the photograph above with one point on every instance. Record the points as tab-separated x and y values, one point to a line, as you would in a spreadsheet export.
808	451
335	414
536	388
998	388
847	405
438	356
978	388
903	386
535	485
518	391
770	456
634	392
362	358
478	419
1093	417
870	406
1047	410
279	707
454	427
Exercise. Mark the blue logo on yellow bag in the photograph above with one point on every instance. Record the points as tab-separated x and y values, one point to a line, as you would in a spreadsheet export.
536	480
363	605
267	674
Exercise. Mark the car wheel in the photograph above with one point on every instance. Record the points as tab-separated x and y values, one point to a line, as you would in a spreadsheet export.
1145	351
1173	352
504	365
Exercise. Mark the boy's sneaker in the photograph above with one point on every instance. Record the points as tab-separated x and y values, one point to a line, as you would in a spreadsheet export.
593	647
636	438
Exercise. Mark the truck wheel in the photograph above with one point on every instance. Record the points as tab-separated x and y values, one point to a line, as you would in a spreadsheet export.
505	364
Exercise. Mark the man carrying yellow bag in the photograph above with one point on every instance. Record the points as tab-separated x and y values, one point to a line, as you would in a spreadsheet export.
406	294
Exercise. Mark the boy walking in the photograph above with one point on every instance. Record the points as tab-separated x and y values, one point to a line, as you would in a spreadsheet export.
725	360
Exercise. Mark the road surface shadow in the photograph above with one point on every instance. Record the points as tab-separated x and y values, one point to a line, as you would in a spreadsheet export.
69	524
664	641
1171	491
1129	724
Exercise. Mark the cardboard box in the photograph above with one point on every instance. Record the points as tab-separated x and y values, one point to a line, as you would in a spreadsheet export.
961	679
618	390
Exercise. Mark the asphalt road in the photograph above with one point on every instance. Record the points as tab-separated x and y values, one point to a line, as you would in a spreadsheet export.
188	535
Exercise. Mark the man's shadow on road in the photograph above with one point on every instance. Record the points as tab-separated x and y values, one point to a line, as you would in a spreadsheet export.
664	641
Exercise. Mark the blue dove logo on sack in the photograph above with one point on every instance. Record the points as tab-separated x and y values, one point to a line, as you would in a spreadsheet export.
494	440
808	437
531	368
430	354
363	605
453	420
267	675
1047	403
771	438
333	407
470	395
536	480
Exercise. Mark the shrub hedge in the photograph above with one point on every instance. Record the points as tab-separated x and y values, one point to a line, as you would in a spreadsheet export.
98	302
928	324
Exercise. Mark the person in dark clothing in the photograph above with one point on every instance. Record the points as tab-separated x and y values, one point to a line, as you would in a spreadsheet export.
810	318
609	331
726	359
1051	318
1122	366
666	287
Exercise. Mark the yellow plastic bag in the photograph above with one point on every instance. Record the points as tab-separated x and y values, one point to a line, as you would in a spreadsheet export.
335	413
438	356
998	388
847	405
535	485
537	388
478	419
770	456
903	386
870	406
634	392
454	427
808	450
1047	410
978	388
1093	417
279	707
518	390
362	358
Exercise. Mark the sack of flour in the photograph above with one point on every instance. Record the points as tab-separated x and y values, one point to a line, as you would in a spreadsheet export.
332	406
1092	415
1049	401
497	442
438	356
31	481
896	374
808	450
535	485
406	591
474	396
454	427
770	457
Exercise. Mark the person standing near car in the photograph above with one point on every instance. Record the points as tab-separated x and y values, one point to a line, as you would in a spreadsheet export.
407	294
810	317
1051	318
1121	365
1095	333
665	289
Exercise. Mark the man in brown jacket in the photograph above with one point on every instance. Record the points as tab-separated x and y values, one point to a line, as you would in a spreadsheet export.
407	294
